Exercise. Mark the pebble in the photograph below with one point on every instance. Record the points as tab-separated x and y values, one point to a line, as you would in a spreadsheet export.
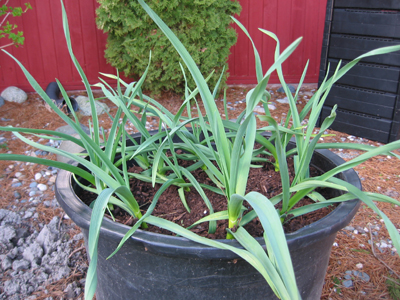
42	187
283	101
27	215
33	184
361	275
17	195
347	283
38	176
359	266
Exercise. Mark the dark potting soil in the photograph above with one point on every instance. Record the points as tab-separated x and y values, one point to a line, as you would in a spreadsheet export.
264	180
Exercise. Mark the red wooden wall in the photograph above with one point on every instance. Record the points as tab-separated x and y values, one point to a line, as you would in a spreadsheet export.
288	19
45	54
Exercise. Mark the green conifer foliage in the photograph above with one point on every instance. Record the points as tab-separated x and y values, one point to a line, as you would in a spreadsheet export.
201	25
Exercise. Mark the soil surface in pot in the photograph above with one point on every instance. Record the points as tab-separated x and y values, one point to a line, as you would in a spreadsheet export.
264	180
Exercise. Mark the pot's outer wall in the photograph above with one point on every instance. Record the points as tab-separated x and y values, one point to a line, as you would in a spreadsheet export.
154	266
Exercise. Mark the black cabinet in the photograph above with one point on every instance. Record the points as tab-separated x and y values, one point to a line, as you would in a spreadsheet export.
368	96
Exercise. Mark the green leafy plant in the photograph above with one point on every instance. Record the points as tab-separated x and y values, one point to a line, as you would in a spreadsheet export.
7	30
224	149
393	286
202	26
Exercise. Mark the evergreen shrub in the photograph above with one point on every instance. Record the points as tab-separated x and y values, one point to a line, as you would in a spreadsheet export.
201	25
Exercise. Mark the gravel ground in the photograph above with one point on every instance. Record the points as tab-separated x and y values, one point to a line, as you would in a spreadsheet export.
35	254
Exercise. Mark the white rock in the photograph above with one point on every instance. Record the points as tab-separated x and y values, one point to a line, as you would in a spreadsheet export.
384	245
38	176
283	101
359	266
14	94
42	187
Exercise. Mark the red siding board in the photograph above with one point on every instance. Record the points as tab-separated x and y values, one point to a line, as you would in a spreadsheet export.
46	57
62	63
32	47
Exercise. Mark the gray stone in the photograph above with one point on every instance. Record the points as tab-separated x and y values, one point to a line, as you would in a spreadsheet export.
33	184
17	195
22	232
11	287
84	106
39	278
33	253
69	130
14	94
60	272
11	218
16	184
20	265
6	262
3	213
13	253
70	147
46	239
7	233
1	101
347	283
70	291
361	275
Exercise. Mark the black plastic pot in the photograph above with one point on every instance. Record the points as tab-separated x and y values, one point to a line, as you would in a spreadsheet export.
155	266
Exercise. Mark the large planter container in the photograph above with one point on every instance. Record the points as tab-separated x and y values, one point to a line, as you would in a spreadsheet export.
155	266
